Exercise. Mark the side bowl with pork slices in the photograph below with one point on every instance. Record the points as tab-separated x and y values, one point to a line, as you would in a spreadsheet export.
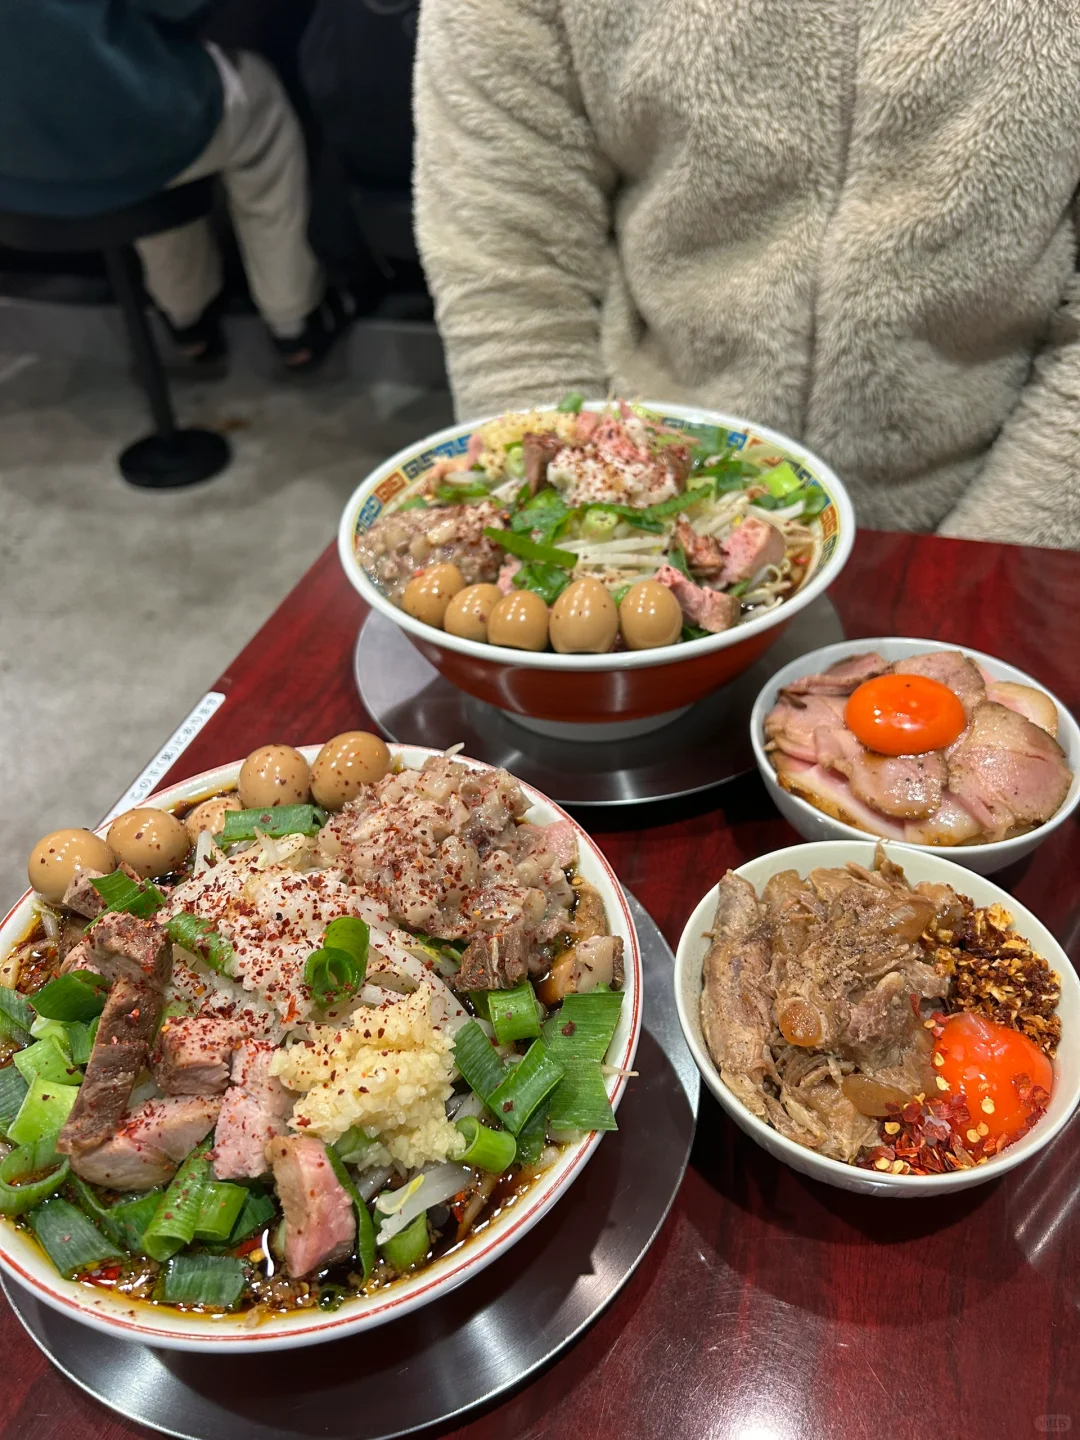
509	1216
751	1017
817	800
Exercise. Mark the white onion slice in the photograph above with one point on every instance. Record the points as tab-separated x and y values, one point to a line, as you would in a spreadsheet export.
431	1187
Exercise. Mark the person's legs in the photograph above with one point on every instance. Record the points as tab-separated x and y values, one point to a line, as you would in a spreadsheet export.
182	269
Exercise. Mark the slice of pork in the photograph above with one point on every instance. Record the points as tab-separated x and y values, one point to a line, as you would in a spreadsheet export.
124	945
749	548
793	723
194	1053
121	1049
537	453
253	1112
830	792
1009	773
712	610
81	896
842	678
1034	705
320	1224
150	1143
951	668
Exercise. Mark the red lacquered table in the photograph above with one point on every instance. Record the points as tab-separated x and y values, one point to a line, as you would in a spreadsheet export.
770	1307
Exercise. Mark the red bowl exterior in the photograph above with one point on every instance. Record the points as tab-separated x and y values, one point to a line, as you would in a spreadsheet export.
584	696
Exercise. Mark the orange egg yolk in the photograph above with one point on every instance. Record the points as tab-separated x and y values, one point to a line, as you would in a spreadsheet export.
904	715
991	1066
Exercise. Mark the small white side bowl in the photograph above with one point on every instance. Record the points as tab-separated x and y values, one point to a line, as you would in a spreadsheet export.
917	865
814	824
173	1330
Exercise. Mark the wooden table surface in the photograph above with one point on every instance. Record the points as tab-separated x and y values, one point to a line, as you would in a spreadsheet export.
770	1307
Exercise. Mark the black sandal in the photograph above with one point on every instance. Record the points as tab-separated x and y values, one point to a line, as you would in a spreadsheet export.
325	325
202	344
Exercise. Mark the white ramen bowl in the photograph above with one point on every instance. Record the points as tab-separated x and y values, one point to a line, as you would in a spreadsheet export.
917	865
814	824
152	1325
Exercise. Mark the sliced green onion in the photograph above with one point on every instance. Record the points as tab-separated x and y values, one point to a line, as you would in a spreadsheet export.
353	1145
214	1282
49	1060
816	500
78	995
416	503
257	1212
449	949
526	1086
120	892
639	519
332	1297
13	1090
174	1221
364	1248
740	589
580	1100
694	632
276	822
71	1241
451	494
409	1246
45	1108
767	502
476	1058
527	549
29	1174
486	1149
123	1222
514	461
532	1137
675	504
582	1027
677	557
332	974
549	581
620	593
219	1210
781	480
16	1015
597	524
194	933
43	1028
514	1014
540	515
571	404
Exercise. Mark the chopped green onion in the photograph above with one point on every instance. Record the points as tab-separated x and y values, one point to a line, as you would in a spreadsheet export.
571	404
526	1086
45	1108
514	461
13	1090
620	593
527	549
197	935
120	892
332	1297
514	1014
476	1058
451	494
219	1210
767	502
675	504
29	1174
583	1026
276	822
740	589
78	995
781	480
123	1222
677	557
580	1100
353	1145
336	971
416	503
540	515
214	1282
49	1060
532	1137
409	1246
43	1028
638	518
71	1241
16	1015
258	1210
174	1221
549	581
815	502
598	524
486	1149
365	1226
694	632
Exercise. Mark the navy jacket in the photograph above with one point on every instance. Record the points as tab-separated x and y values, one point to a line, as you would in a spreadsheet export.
102	102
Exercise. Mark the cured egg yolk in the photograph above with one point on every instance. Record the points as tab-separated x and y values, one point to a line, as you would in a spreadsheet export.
904	715
994	1068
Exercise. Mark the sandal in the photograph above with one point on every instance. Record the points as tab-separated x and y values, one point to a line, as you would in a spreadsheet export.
203	344
325	325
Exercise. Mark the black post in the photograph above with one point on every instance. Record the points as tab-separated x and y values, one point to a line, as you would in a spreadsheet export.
123	266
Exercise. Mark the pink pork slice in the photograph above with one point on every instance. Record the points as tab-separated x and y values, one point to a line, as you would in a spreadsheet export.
320	1225
710	610
193	1054
749	548
150	1143
253	1112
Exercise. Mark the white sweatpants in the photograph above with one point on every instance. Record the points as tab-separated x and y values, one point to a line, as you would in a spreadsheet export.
258	150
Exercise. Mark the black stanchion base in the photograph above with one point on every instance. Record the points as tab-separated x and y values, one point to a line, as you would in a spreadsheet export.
186	457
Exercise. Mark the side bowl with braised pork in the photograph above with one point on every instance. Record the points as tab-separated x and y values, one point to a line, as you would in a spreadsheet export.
880	1019
930	745
304	1043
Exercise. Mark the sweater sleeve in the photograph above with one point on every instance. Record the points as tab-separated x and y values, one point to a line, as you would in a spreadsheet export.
512	203
1028	491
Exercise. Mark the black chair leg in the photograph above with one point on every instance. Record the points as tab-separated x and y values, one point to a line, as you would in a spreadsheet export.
171	457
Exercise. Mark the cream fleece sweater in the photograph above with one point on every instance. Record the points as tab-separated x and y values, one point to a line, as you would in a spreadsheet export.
848	219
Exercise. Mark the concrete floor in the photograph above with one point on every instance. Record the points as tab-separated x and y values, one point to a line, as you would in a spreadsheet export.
119	607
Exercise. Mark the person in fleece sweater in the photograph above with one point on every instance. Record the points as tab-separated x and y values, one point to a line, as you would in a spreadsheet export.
855	222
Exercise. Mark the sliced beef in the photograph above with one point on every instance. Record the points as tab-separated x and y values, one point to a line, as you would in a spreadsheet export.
253	1112
320	1224
150	1143
843	678
80	957
495	962
120	1051
735	1014
1009	773
537	452
81	896
749	548
793	722
703	553
951	668
123	945
711	610
193	1054
814	1109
